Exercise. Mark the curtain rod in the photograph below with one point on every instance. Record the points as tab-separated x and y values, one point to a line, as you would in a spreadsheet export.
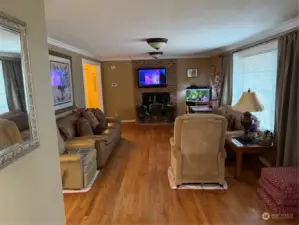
263	41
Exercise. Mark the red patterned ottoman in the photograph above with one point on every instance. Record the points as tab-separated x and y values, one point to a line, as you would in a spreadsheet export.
279	189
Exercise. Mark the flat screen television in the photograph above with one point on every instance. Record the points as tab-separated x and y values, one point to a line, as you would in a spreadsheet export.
198	95
154	77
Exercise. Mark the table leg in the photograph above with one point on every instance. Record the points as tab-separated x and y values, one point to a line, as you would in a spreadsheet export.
239	159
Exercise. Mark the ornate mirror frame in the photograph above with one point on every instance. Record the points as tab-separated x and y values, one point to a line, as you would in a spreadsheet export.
14	152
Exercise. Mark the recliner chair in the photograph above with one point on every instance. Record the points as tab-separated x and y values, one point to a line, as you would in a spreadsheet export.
197	149
78	162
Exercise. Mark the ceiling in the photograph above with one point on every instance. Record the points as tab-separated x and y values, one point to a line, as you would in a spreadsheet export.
9	42
117	28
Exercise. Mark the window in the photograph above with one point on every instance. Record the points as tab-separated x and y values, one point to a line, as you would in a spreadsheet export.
3	101
256	69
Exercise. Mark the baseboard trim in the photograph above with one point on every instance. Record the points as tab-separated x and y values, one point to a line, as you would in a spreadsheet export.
128	121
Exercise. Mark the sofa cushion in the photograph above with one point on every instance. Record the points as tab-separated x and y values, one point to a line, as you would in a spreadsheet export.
99	130
61	144
100	117
67	125
238	125
84	127
18	117
88	114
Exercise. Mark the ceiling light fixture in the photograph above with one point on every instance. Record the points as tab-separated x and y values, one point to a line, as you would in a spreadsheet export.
155	55
157	43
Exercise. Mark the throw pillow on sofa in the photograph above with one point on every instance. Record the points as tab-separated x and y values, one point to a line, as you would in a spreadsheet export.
88	114
101	118
84	127
230	122
99	130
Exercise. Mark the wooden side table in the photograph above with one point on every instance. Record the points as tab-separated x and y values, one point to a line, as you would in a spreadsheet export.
242	149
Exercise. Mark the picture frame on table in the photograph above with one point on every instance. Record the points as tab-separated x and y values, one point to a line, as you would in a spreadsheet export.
192	72
61	81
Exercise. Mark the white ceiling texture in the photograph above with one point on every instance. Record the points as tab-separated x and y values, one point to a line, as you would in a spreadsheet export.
117	28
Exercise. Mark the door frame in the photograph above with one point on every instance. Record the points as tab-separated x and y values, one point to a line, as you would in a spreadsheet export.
100	81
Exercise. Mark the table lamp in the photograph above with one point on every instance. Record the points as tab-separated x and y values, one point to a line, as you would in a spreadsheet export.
246	104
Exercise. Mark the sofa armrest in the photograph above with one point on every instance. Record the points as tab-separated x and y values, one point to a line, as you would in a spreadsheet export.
69	158
79	144
92	138
71	171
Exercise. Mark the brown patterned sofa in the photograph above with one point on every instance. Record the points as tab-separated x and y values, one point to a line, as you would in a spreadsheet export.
104	143
234	126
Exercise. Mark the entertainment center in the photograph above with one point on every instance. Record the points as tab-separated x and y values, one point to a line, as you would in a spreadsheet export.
198	99
155	105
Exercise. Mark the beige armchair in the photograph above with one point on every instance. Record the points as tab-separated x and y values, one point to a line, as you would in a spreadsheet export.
197	149
78	162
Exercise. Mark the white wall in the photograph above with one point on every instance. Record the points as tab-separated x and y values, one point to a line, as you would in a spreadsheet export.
30	189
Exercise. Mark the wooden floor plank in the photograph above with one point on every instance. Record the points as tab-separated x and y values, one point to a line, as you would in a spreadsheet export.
133	189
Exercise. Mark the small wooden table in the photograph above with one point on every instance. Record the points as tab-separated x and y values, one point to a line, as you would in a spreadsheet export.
241	149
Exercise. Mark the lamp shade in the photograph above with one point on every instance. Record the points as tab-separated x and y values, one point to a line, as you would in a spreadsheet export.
155	55
157	43
249	103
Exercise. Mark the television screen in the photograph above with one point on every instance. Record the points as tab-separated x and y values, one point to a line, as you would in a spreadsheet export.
152	77
200	95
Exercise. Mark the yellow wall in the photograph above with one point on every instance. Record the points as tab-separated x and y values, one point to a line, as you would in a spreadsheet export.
31	187
91	86
119	100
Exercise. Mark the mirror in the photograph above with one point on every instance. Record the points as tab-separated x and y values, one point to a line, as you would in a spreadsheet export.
18	128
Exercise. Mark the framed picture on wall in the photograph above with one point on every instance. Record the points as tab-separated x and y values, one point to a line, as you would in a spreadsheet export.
192	72
61	80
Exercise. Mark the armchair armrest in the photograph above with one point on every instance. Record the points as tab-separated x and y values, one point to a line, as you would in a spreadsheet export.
79	144
69	158
175	150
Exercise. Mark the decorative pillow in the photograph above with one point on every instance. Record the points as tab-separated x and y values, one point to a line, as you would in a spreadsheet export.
99	130
238	125
88	114
101	118
83	127
67	128
230	122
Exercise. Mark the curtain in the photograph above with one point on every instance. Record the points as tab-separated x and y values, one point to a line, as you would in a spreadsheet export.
14	85
226	88
287	101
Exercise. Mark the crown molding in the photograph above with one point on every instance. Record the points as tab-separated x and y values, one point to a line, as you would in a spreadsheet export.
71	48
268	34
151	58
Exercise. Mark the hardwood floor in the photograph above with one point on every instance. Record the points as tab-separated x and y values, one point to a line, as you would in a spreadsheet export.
133	189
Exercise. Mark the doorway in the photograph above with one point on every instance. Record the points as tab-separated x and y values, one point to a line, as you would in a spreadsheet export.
93	84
